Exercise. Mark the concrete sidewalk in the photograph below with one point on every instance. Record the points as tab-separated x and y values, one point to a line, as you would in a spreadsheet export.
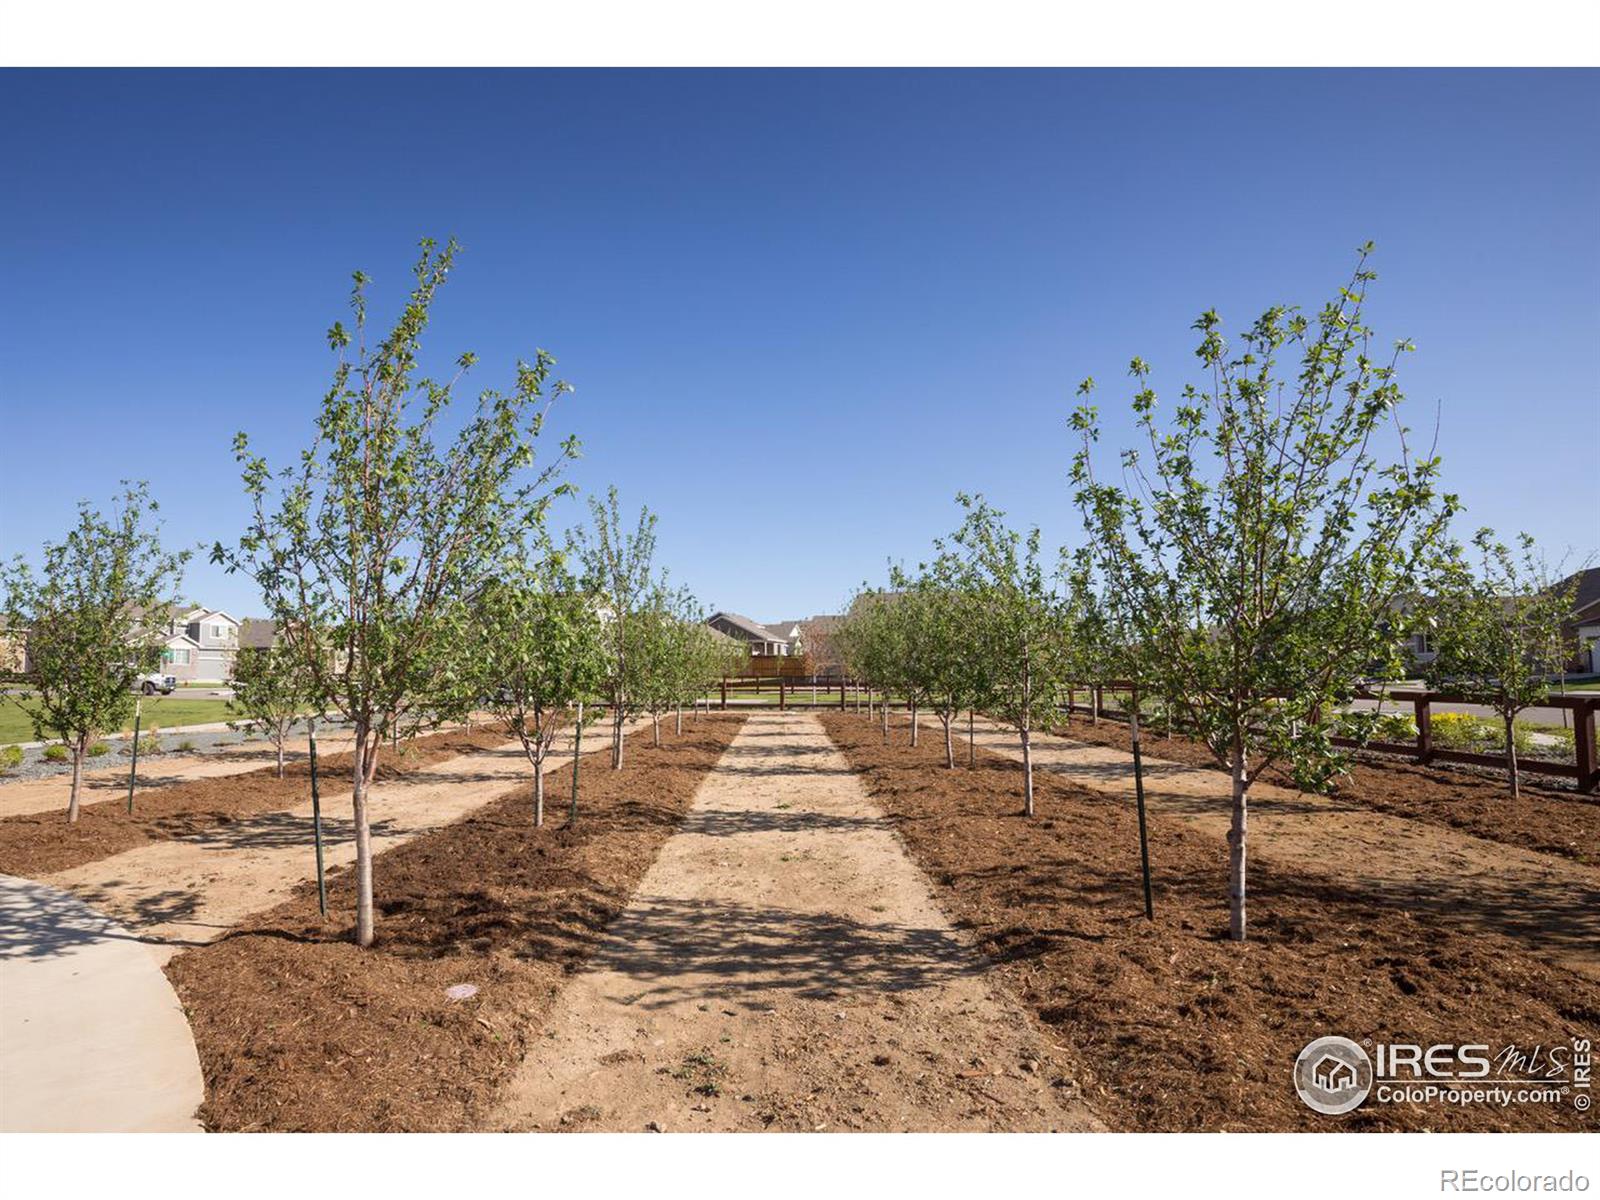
92	1038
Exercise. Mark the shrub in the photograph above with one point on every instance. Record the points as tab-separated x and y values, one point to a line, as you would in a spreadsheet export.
1462	731
186	746
98	750
10	756
56	752
149	742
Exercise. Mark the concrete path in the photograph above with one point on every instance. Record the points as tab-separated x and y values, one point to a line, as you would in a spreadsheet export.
92	1038
783	965
1550	903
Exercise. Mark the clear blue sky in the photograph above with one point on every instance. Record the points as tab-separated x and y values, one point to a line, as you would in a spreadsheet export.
889	282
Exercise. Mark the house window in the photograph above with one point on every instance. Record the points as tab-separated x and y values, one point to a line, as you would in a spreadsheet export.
216	632
1424	643
175	657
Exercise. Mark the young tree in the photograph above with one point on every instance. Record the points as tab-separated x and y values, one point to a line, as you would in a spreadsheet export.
868	640
1018	629
934	613
619	568
273	689
540	652
93	612
366	549
1497	631
1259	541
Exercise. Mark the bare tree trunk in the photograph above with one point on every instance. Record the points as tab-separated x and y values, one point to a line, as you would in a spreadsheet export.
972	741
655	728
680	721
616	739
913	709
1237	833
949	746
79	747
1511	759
358	799
280	755
538	789
883	711
577	751
1027	770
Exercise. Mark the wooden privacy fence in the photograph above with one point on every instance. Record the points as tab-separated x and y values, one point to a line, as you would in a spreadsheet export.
1585	769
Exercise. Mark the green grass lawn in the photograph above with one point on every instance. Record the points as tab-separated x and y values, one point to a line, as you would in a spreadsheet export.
165	711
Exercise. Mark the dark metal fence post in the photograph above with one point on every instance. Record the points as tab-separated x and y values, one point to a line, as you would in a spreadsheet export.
724	693
1138	790
316	824
782	704
133	768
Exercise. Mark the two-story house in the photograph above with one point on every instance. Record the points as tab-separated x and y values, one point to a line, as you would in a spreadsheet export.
199	645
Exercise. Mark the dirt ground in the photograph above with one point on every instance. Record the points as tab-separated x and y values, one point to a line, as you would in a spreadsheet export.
1551	818
1177	1028
37	844
784	966
1548	903
109	785
300	1030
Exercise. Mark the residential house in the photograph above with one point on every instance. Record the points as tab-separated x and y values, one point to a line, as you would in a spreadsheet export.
761	639
1582	628
198	645
13	649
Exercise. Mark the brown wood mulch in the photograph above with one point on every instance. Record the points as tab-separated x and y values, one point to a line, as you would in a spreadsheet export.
1551	817
298	1029
1177	1028
37	844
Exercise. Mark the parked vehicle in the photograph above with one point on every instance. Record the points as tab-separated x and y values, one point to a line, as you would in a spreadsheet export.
156	682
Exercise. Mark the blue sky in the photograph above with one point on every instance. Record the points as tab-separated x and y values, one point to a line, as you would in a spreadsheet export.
801	309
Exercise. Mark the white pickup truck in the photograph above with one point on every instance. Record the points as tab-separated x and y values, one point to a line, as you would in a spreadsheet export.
155	682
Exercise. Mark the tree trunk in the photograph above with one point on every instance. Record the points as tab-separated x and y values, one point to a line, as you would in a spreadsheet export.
1237	832
949	745
1027	771
1511	760
538	788
883	711
616	739
358	800
655	728
680	721
280	756
79	747
972	742
913	709
577	748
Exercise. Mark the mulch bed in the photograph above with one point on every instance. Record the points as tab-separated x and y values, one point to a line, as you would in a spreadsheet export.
1177	1028
298	1029
1551	818
37	844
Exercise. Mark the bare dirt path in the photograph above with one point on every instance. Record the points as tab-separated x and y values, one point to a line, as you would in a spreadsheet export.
188	891
156	772
783	965
1547	901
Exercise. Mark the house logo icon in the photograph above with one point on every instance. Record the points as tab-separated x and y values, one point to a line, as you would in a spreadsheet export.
1333	1075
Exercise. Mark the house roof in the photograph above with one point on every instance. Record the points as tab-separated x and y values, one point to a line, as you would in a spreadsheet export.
752	630
257	633
1588	588
784	630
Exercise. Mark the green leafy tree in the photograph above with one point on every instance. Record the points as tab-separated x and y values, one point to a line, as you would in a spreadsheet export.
273	689
1261	539
619	568
540	649
935	612
1497	630
1018	628
94	612
368	547
869	643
